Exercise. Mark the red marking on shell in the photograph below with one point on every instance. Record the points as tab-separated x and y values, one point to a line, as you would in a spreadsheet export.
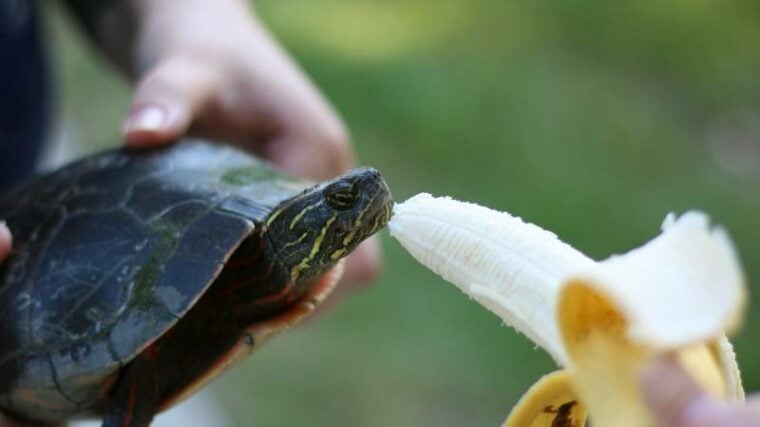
152	352
278	296
130	404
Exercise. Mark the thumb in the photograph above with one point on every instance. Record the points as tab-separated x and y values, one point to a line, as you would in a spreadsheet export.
5	241
676	400
167	100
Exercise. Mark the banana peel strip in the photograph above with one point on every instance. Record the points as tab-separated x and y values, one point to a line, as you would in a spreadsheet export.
600	320
723	352
678	293
684	286
551	401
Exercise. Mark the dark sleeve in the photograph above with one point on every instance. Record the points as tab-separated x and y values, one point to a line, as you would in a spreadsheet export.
90	13
24	89
111	25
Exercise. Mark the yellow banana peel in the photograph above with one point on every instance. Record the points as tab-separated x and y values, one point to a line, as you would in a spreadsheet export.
600	321
551	401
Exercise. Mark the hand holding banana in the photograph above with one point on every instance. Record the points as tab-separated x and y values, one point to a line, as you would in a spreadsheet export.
602	322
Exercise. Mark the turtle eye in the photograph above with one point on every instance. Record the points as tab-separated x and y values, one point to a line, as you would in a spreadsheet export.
341	195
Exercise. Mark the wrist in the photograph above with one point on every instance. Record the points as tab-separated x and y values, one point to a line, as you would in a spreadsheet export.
168	27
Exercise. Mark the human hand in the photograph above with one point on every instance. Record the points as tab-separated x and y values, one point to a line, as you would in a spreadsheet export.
210	69
677	401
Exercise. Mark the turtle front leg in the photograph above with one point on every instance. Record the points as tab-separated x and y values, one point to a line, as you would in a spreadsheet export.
137	394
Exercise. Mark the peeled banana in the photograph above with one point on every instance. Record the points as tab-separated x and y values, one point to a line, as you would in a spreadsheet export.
600	321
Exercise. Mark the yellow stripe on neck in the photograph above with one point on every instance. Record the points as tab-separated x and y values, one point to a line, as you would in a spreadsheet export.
296	272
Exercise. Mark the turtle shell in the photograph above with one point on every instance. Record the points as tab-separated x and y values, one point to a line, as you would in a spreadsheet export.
109	253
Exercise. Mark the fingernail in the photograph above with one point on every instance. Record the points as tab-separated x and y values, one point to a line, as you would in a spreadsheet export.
150	119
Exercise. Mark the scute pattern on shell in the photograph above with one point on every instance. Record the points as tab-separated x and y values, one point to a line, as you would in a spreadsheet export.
148	233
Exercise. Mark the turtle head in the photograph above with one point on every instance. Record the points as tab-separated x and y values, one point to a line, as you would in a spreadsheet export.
309	233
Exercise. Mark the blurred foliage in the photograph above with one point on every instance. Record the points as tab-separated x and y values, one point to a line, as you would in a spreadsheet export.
591	118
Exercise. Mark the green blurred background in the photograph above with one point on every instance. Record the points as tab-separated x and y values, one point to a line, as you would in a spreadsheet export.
590	118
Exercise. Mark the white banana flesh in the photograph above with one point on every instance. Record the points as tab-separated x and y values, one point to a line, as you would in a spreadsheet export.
511	267
601	320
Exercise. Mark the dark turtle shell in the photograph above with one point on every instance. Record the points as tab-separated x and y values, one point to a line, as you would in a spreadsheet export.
109	253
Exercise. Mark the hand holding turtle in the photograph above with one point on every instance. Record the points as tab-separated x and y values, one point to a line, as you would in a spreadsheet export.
677	401
211	69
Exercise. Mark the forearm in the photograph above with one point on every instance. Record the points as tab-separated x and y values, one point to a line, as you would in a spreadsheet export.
111	24
136	34
168	26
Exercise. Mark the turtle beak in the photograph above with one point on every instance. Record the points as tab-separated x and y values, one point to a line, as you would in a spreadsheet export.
380	204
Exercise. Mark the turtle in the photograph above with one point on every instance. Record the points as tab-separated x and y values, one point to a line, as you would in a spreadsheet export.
137	276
